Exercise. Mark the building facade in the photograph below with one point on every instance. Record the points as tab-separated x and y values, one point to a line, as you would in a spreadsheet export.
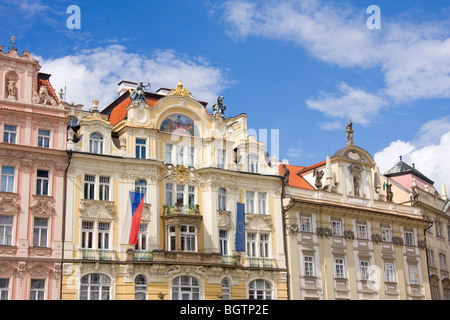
33	163
418	191
193	167
345	237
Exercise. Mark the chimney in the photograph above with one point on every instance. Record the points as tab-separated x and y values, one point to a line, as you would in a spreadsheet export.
124	86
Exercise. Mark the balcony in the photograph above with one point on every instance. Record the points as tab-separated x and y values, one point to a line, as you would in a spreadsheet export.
181	209
261	262
93	254
142	255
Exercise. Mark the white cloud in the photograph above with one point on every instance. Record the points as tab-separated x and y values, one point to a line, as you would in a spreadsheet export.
353	103
294	153
431	159
413	57
96	73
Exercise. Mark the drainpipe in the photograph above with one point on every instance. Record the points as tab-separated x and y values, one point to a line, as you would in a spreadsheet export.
63	233
283	211
426	253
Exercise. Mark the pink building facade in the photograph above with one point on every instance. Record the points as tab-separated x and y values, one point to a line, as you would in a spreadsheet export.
33	163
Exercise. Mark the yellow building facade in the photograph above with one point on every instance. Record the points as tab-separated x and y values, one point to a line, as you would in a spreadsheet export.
193	167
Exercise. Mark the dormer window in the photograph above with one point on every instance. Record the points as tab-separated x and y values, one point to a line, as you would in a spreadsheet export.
253	163
96	143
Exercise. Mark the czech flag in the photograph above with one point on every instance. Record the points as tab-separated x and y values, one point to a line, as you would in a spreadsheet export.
133	218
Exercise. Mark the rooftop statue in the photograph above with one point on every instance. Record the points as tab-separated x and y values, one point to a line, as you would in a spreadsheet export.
349	130
138	94
219	108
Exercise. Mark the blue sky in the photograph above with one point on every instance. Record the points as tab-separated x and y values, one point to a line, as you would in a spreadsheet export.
302	67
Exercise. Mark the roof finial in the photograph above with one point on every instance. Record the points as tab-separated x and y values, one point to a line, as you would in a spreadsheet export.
12	43
401	158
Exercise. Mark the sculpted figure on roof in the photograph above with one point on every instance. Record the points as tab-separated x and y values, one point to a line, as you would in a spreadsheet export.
349	130
138	94
219	107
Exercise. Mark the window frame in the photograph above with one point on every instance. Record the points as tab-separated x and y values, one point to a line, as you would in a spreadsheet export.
8	179
40	233
104	286
262	293
308	265
222	199
141	148
96	140
339	268
306	223
336	228
10	133
42	183
43	140
37	293
5	226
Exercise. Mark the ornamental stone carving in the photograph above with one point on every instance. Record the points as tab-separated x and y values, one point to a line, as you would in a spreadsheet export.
97	209
349	234
8	203
376	238
223	219
42	206
324	232
292	229
261	222
422	244
398	241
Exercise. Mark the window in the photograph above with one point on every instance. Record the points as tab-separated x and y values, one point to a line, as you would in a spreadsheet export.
306	224
44	138
250	202
185	288
386	234
336	228
37	289
96	143
226	289
42	182
103	235
7	179
188	238
413	275
222	199
339	268
180	155
168	153
260	289
251	245
190	156
443	261
409	238
9	134
89	186
140	288
389	269
142	237
172	238
365	275
223	240
264	245
252	163
169	194
309	266
87	234
438	228
262	202
4	288
362	231
180	194
103	189
40	232
191	196
95	287
431	258
140	186
140	148
221	158
6	228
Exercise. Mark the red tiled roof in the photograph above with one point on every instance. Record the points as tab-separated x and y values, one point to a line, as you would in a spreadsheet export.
312	167
294	179
43	80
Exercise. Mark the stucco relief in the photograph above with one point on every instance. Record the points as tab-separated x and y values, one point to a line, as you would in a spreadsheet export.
43	206
260	222
97	209
9	203
224	219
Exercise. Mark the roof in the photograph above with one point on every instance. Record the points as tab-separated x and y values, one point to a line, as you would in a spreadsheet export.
117	110
402	168
43	80
295	180
312	167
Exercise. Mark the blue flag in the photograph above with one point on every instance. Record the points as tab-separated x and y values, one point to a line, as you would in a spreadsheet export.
240	227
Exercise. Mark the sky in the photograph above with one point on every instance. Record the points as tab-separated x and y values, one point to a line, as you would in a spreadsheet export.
301	69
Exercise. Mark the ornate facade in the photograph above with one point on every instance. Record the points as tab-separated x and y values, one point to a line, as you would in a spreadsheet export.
33	163
193	167
345	236
417	190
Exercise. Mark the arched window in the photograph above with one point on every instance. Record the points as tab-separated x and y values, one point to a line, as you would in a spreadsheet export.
226	289
253	163
222	199
140	288
185	288
95	287
260	289
96	143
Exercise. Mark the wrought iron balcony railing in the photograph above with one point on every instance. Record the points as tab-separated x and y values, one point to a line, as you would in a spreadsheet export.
181	209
